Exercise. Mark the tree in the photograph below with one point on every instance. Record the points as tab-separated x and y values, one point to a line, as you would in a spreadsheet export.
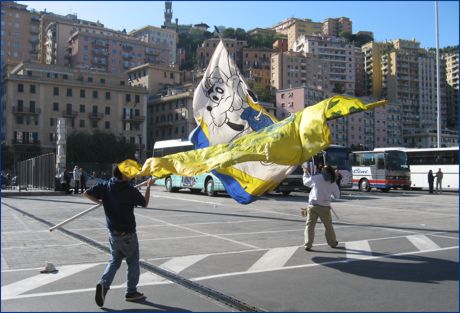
99	147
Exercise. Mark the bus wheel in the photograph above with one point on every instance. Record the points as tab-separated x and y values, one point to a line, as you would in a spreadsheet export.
384	189
210	187
168	185
364	185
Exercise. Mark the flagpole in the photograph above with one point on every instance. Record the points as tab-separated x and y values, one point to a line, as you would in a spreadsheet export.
438	80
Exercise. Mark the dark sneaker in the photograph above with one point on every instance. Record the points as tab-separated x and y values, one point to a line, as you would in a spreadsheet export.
101	291
134	296
336	244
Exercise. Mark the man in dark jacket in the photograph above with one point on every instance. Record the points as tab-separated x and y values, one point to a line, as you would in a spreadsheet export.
119	197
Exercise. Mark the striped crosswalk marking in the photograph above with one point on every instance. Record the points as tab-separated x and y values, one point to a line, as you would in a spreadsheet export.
12	290
274	258
178	264
358	249
422	242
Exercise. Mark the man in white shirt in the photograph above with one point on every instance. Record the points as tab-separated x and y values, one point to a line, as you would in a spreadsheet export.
323	186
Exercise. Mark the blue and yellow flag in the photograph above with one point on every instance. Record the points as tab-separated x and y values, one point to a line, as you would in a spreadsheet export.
239	142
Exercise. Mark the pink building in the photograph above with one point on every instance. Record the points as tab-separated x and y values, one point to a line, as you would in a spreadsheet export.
114	54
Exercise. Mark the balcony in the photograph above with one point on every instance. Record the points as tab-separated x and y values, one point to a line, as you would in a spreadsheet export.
139	118
17	142
26	111
95	115
127	47
100	43
69	113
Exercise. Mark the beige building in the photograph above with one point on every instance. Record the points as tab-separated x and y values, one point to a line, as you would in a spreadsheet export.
256	65
156	79
158	36
302	28
207	48
36	95
334	26
293	69
170	116
451	61
20	33
337	55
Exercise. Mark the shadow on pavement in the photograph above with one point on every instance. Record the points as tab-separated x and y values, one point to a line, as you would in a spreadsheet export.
407	268
152	307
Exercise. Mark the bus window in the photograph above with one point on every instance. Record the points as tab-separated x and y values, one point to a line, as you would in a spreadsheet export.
380	162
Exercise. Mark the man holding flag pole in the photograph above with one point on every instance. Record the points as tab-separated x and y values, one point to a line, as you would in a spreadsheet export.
119	198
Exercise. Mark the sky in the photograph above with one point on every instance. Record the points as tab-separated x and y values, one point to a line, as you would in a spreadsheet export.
386	19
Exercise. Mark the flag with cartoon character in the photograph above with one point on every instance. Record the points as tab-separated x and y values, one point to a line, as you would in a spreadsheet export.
225	110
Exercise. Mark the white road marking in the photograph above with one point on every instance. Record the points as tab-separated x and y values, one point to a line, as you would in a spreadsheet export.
91	289
274	258
422	242
17	288
358	249
178	264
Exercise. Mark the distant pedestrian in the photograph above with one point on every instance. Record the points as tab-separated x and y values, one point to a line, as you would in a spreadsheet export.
76	179
430	180
323	186
82	180
439	176
338	179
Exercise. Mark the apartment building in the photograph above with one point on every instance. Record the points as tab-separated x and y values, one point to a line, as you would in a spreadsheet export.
301	28
170	116
207	48
337	55
256	65
55	31
334	26
159	36
156	79
451	61
20	33
114	54
402	72
293	69
35	95
280	45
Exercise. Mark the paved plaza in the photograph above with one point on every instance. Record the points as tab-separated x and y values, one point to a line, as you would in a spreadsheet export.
398	251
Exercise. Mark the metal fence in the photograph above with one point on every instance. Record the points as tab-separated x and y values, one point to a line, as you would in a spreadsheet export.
37	173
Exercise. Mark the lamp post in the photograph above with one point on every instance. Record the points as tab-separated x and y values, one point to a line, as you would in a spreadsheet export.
140	149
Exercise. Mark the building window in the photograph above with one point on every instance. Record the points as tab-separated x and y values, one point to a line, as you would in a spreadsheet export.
107	110
32	88
55	106
107	125
82	123
56	91
69	92
20	106
82	93
137	98
102	81
107	95
128	97
32	106
20	88
52	121
82	108
122	83
20	120
95	96
90	79
65	76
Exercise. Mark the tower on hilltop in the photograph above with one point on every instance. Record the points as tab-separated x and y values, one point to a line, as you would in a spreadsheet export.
168	13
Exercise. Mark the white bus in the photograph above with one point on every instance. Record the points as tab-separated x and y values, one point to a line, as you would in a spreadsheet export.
425	159
382	168
208	182
336	156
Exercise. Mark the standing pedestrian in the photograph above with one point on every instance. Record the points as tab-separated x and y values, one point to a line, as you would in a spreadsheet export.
439	176
119	198
338	179
76	179
430	180
82	180
323	186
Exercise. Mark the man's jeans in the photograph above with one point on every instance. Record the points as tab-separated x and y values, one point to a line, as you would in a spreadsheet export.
124	246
